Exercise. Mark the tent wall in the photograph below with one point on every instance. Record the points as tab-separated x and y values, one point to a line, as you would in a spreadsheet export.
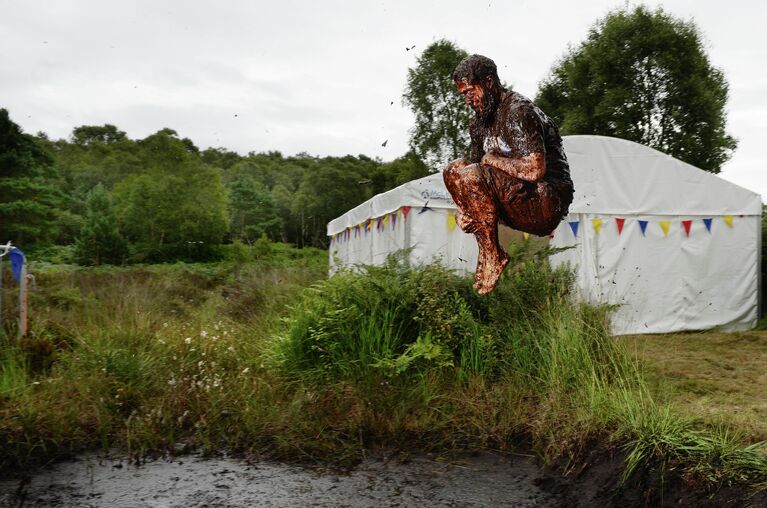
665	282
429	233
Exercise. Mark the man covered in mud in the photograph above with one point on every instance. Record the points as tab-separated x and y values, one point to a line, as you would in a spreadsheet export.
517	172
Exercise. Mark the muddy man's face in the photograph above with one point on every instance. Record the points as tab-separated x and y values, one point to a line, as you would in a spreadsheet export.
473	93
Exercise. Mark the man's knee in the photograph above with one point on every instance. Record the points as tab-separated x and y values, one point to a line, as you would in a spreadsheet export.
462	172
453	166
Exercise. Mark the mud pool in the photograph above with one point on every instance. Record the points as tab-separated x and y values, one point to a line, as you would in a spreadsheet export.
482	480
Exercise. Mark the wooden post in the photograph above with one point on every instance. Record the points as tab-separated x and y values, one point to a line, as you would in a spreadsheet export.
23	301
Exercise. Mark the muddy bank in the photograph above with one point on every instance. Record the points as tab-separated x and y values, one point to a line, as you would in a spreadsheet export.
595	478
484	480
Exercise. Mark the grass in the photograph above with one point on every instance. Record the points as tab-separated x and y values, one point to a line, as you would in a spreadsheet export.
718	377
272	358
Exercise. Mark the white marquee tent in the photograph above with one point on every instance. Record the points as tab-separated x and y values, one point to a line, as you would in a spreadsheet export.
674	247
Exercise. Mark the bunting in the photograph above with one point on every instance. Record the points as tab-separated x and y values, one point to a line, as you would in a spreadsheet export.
643	226
450	221
686	224
574	227
619	222
597	223
357	231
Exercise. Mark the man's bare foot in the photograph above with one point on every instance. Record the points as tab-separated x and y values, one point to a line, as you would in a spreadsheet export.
465	222
492	273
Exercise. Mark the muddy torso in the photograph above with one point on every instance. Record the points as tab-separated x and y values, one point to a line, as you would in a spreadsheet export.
521	128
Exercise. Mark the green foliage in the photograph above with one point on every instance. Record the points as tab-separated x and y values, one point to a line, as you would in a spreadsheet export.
177	208
28	187
397	318
441	131
644	76
149	357
158	183
100	240
397	172
252	210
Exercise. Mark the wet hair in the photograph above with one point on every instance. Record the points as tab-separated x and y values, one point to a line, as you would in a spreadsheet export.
475	69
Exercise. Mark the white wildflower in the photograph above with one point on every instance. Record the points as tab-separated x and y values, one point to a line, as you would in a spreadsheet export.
188	340
246	370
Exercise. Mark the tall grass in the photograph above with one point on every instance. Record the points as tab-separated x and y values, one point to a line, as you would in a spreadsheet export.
526	359
273	358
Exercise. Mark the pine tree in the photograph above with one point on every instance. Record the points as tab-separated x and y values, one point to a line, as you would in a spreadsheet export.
28	195
100	241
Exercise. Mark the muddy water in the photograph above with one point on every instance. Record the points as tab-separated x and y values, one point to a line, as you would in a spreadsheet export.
484	480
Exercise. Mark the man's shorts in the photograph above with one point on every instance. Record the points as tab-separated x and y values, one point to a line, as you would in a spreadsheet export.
533	207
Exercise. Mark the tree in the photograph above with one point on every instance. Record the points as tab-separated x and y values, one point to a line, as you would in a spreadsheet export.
401	170
644	76
88	134
441	131
100	240
177	208
28	192
252	210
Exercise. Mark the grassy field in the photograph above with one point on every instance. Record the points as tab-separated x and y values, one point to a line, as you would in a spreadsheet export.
269	357
719	378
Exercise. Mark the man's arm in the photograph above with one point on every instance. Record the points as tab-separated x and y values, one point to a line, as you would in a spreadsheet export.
531	167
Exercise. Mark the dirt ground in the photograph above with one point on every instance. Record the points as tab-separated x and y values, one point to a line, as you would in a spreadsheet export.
716	377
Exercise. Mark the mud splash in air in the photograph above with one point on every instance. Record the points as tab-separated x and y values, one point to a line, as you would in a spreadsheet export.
517	174
479	481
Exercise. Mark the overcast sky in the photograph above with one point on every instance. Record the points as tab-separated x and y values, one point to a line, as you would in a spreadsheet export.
318	76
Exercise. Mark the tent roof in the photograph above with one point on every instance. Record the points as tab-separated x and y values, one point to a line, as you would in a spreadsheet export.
612	176
427	191
619	177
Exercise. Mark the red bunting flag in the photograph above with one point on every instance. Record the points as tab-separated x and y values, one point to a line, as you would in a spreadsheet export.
405	211
619	222
687	224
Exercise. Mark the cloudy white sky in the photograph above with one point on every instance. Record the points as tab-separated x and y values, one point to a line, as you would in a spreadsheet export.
318	76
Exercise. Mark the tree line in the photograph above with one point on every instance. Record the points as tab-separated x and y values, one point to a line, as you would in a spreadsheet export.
641	75
160	198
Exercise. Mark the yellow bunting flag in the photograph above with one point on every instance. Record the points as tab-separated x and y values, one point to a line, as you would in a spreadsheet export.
664	225
385	220
728	220
399	213
597	224
450	221
525	235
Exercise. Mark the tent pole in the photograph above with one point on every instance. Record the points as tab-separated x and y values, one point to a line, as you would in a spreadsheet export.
759	296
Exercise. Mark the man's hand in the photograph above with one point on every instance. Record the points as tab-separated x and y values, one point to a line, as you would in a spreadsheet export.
531	167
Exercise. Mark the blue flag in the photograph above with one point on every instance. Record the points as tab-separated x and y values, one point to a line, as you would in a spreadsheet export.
643	226
707	222
574	226
17	261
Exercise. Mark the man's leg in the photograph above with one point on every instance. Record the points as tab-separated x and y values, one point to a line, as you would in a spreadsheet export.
476	201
